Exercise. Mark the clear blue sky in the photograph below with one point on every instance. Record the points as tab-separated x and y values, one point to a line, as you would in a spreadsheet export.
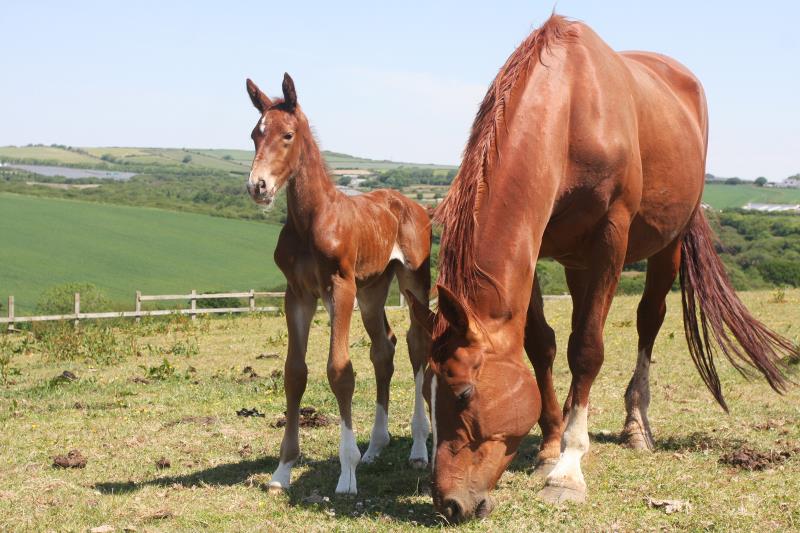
397	80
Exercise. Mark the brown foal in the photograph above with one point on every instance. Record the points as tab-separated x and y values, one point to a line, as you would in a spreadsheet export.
594	158
339	249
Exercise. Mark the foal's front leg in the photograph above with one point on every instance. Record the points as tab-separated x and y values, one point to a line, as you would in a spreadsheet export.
300	308
339	303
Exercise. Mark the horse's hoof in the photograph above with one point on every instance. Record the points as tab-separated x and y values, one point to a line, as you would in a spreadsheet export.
418	464
544	467
276	488
557	495
637	440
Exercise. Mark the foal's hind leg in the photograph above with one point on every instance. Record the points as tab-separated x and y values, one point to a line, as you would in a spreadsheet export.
661	271
371	301
540	345
300	308
419	343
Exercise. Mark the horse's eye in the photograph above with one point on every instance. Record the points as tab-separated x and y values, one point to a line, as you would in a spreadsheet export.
464	395
288	135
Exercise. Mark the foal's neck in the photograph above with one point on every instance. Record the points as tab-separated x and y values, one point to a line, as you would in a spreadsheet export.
311	189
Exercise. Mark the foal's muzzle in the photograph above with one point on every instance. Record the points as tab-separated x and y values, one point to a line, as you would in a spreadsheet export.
259	192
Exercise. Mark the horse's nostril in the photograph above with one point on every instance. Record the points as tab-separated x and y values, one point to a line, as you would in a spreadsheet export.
262	185
484	508
453	511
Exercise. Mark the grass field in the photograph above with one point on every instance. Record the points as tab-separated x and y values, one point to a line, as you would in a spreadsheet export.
220	463
730	196
46	242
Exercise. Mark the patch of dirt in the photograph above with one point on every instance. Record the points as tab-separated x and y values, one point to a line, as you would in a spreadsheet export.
749	459
73	459
770	424
163	463
309	418
161	514
140	379
200	420
65	377
269	355
79	405
245	451
245	412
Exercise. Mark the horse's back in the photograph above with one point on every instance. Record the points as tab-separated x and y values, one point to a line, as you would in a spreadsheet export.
672	136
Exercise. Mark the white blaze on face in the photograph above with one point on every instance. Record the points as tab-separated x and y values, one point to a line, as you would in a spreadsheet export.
262	125
433	421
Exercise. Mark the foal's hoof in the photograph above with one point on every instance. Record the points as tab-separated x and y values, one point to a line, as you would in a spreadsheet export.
418	464
557	495
544	467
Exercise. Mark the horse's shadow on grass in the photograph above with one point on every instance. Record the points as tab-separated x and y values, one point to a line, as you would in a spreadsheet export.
388	487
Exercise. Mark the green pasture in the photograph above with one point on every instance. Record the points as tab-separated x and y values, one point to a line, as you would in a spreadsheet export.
46	242
168	392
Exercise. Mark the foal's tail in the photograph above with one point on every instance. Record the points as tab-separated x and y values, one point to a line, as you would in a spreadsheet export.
712	309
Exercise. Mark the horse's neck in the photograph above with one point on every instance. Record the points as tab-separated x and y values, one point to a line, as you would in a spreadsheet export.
310	190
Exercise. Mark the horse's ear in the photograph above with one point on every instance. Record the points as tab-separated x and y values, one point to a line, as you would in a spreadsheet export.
420	313
259	99
289	94
453	310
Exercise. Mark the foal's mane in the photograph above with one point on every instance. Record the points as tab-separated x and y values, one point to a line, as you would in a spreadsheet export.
458	270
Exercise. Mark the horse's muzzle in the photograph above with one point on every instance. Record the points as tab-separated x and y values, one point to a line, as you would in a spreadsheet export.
259	192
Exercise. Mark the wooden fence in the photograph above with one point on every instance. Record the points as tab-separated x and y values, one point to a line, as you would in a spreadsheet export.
76	316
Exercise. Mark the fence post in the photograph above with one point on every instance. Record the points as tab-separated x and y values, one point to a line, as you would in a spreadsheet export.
11	313
252	300
402	300
138	306
77	308
194	303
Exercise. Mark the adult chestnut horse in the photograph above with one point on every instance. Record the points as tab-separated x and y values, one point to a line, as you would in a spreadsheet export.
338	248
597	159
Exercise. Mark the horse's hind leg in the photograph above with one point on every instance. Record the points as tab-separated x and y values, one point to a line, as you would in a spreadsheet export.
300	310
540	345
371	301
662	269
419	343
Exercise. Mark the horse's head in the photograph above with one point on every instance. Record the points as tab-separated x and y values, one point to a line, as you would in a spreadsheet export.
483	401
275	137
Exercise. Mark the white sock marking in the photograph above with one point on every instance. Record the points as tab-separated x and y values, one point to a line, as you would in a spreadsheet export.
380	435
433	422
349	456
281	478
420	427
574	444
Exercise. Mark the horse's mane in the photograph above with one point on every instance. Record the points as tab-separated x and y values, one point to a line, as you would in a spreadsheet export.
458	270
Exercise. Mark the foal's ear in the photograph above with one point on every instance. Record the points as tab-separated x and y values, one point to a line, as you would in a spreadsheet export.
420	313
454	311
259	99
289	94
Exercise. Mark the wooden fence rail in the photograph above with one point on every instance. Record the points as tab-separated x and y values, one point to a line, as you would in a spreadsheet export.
76	316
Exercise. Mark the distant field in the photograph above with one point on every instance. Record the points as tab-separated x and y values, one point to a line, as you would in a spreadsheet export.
218	159
729	196
46	242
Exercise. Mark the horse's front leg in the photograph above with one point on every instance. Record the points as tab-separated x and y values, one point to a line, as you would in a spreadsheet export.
339	299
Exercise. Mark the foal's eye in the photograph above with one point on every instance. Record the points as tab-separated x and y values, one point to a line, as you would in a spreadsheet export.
288	136
463	396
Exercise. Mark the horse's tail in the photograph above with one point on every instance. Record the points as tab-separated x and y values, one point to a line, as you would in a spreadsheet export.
712	309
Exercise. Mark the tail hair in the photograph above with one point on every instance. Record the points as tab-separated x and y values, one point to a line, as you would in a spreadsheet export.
711	309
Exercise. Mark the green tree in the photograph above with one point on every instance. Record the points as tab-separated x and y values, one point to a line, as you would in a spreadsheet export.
187	158
761	181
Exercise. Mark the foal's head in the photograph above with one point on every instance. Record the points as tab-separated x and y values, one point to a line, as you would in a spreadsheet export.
483	401
276	137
